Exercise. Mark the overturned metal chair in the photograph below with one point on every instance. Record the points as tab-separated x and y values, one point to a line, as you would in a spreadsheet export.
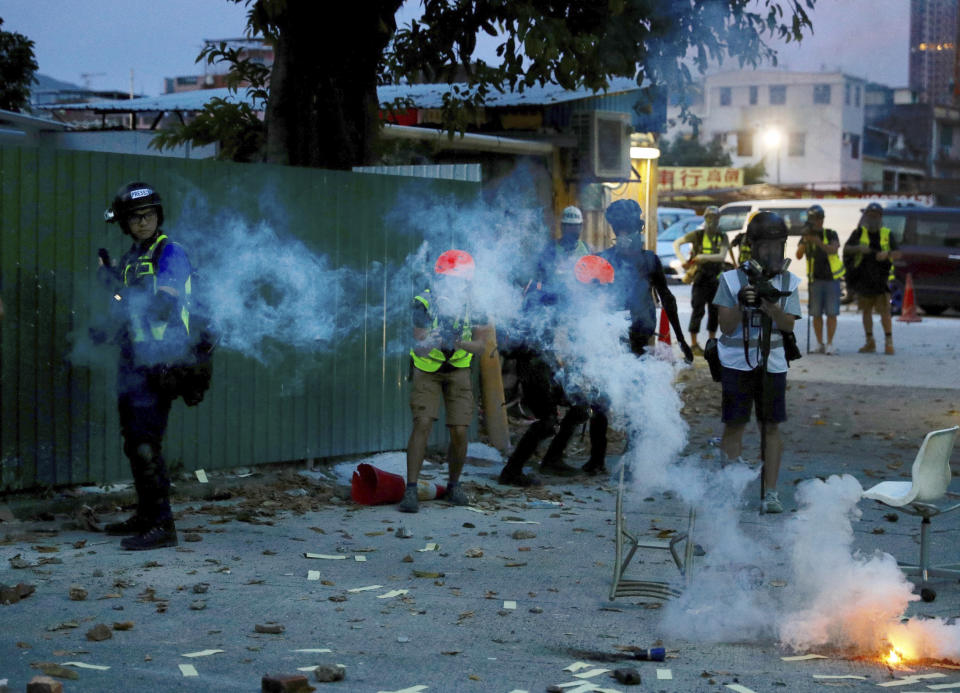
630	542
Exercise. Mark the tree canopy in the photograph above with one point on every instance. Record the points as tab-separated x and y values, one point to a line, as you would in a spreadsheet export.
687	151
17	67
323	110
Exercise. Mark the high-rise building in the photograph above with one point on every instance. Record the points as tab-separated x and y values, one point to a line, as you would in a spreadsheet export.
933	50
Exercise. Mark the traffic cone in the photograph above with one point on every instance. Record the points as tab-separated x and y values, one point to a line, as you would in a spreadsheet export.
663	333
372	486
908	311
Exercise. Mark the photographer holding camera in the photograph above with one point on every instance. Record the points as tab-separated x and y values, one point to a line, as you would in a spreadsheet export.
824	272
758	304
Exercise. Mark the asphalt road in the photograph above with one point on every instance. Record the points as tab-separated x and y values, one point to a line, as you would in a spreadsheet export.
511	619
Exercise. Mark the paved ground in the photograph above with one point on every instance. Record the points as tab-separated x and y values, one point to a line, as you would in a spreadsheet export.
510	619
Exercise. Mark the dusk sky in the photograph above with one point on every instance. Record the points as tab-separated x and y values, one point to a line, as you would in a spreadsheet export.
108	38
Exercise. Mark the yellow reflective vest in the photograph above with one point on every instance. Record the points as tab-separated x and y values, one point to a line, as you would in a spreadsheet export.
144	268
884	246
460	358
836	262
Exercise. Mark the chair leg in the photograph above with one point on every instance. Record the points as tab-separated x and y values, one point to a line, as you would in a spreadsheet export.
924	551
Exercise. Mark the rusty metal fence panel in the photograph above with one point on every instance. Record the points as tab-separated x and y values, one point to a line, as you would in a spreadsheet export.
58	418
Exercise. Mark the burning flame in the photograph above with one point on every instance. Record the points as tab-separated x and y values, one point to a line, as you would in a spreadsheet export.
894	657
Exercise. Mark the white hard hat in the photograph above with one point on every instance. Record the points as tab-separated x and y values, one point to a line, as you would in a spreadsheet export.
571	215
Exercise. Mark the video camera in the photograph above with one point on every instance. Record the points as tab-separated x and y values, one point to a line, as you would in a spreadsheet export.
760	282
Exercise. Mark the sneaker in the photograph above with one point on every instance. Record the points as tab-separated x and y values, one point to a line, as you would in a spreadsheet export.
410	502
131	526
771	503
457	496
558	468
157	537
821	349
888	349
511	478
831	350
869	348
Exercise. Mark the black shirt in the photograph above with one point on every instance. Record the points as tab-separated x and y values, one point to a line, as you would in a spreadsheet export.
871	277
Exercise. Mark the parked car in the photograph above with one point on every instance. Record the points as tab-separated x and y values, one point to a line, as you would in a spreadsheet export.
929	239
668	216
671	264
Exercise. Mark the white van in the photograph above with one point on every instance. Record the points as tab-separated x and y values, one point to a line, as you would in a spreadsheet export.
842	215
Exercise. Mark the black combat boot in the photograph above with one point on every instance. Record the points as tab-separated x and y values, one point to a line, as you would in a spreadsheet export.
162	534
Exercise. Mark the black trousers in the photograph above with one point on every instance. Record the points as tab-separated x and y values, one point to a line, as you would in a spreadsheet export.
144	407
701	300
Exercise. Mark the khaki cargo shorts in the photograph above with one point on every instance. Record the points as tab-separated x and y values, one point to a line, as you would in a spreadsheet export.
879	303
454	388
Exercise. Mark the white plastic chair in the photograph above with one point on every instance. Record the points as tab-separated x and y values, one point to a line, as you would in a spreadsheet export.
930	478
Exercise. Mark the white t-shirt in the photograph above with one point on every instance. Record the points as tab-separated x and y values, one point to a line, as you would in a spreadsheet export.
730	347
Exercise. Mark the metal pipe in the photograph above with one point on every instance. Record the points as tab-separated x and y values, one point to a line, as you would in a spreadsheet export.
486	143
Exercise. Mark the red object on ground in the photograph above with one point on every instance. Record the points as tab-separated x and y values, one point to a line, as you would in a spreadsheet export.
372	486
593	268
908	312
663	333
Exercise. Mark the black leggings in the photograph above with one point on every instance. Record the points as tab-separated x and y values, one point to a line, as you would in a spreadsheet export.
701	300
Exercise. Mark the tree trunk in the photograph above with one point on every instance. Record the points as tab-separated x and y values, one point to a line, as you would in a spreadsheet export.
323	107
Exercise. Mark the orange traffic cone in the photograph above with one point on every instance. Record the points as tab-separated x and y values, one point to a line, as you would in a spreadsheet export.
908	312
663	333
372	486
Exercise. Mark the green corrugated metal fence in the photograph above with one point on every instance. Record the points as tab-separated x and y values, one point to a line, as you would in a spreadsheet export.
58	420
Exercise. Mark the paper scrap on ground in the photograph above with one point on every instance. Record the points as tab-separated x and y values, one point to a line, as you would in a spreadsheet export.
664	675
910	680
324	556
943	686
188	670
202	653
509	604
314	650
360	559
801	658
472	509
577	666
202	476
412	689
839	676
313	575
429	547
391	594
365	589
590	674
313	668
739	689
84	665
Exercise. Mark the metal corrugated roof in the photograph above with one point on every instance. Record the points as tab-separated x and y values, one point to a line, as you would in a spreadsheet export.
421	95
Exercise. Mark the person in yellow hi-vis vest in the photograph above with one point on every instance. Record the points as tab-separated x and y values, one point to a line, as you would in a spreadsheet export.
824	271
872	249
708	251
446	336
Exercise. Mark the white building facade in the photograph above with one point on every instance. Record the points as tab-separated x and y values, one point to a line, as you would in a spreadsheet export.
807	127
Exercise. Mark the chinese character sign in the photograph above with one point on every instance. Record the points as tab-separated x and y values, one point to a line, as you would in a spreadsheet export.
699	177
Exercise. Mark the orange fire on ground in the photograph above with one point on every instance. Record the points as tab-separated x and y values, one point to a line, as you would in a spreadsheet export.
894	658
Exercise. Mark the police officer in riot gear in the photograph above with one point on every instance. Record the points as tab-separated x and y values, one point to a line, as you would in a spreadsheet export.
151	285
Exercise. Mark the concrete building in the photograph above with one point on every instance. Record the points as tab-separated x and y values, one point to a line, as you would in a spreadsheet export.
806	127
215	76
933	51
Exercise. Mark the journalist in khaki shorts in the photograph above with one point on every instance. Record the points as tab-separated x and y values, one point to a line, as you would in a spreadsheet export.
454	389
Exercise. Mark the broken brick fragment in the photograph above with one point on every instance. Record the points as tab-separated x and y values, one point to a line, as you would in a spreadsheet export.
285	683
44	684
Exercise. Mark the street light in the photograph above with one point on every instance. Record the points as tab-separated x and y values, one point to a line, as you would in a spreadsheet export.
772	138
